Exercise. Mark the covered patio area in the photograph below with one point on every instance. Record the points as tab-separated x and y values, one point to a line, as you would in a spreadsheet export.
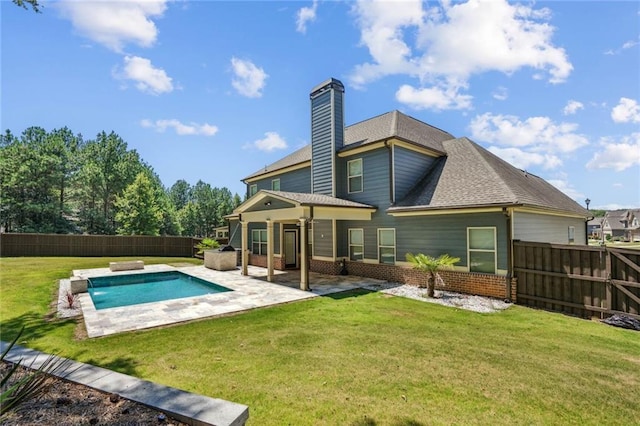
298	226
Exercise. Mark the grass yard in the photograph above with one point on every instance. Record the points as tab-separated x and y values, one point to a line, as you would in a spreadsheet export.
357	359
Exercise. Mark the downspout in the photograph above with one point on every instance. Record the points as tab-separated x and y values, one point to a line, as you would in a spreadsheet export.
508	214
391	181
586	229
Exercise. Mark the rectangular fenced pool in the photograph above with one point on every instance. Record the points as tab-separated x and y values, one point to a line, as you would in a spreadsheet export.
134	289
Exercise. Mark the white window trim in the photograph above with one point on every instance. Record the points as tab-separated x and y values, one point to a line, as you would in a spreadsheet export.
571	237
253	189
349	245
361	176
394	244
259	242
494	251
273	181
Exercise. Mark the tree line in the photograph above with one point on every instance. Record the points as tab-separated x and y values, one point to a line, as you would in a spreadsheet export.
57	182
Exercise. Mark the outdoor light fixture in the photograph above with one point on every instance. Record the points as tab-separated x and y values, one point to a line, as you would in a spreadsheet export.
587	201
268	203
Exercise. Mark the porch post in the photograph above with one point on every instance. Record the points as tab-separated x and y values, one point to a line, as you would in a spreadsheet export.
245	249
269	250
304	265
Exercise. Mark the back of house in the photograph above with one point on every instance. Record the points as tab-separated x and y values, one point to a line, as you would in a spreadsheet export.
371	192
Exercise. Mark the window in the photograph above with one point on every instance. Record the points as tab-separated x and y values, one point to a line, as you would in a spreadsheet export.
253	189
275	185
354	175
482	250
387	246
356	244
572	234
259	241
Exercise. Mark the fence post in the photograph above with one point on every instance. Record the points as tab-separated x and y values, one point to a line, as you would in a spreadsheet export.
607	284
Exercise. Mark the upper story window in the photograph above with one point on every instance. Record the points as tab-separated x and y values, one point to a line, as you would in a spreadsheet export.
481	245
275	185
356	244
253	189
572	234
387	246
354	175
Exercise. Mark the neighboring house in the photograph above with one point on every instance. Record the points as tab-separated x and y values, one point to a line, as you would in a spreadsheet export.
221	233
371	192
594	228
622	224
634	225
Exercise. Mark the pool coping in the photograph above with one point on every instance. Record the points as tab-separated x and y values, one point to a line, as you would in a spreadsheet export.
248	293
184	406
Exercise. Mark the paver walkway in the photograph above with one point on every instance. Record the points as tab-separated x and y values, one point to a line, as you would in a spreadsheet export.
249	292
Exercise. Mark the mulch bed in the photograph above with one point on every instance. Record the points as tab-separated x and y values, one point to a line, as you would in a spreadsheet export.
67	403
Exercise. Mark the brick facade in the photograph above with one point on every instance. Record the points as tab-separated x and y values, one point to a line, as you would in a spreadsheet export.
261	260
461	282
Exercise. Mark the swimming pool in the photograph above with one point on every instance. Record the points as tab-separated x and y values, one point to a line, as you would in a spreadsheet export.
133	289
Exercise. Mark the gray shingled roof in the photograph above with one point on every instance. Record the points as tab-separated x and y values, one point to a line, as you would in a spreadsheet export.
316	199
471	176
392	124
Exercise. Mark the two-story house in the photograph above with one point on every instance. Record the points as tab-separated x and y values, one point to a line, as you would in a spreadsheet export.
367	194
622	225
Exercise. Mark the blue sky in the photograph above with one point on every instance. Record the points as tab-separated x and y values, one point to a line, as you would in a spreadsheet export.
215	90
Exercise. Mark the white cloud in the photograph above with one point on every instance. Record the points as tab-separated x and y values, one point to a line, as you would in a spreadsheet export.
572	107
626	45
501	93
568	189
437	98
306	15
249	80
618	156
525	160
115	23
271	142
180	128
147	78
445	45
537	134
627	111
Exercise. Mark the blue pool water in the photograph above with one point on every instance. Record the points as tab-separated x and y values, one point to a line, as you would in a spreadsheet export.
133	289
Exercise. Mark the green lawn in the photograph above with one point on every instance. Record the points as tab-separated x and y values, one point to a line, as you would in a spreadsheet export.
360	359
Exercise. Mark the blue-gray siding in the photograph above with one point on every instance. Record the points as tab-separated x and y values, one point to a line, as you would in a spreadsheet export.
409	167
327	131
375	178
322	238
431	235
293	181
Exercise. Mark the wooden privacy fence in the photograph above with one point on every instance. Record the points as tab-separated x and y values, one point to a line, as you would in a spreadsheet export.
95	245
579	280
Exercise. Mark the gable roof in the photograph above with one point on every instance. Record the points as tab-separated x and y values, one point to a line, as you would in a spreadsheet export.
393	124
305	199
470	176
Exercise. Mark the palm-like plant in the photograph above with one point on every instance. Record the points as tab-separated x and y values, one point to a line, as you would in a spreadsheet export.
17	387
429	264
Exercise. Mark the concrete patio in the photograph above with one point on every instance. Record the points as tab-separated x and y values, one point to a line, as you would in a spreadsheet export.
249	292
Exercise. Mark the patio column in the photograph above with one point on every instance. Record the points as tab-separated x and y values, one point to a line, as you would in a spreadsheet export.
304	264
269	250
245	248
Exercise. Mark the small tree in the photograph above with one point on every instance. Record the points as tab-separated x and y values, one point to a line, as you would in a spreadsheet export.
139	210
429	264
